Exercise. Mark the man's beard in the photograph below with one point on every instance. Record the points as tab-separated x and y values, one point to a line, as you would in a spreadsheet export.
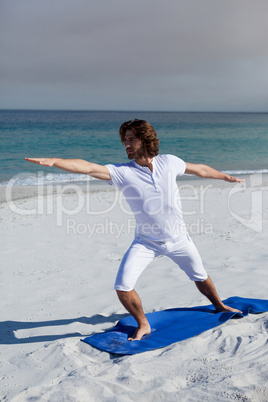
138	154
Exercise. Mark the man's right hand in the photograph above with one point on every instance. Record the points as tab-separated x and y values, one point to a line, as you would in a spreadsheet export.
42	161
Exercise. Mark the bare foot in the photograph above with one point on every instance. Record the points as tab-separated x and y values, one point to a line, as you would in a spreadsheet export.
225	308
140	332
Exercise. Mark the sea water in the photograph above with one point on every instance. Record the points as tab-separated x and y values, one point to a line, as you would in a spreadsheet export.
233	142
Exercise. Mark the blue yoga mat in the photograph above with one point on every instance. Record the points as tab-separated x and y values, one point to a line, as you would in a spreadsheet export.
170	326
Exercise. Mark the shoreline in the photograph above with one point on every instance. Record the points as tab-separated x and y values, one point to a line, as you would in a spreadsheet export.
20	192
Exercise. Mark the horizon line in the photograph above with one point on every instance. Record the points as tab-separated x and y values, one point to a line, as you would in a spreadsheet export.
128	111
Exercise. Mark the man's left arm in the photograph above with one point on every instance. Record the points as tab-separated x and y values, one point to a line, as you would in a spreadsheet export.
210	173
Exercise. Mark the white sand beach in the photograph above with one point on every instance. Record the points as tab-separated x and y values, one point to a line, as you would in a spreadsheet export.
60	251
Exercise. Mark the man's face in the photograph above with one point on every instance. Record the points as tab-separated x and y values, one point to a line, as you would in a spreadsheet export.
133	146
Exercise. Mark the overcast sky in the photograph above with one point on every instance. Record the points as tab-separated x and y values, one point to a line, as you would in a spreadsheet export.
169	55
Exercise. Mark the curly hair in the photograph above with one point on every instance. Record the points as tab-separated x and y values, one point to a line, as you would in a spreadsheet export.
145	132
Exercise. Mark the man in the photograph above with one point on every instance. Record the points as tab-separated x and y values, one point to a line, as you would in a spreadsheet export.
149	185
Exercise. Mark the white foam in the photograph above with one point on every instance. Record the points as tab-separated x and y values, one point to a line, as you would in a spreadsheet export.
40	178
245	172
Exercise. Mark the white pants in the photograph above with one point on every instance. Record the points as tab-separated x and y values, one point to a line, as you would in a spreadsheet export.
142	251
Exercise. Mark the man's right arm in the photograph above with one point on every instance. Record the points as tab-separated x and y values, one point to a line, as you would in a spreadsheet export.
74	166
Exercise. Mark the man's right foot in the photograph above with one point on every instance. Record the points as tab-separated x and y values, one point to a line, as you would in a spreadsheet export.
140	332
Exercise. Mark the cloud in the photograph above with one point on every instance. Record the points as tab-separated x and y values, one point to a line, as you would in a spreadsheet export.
122	54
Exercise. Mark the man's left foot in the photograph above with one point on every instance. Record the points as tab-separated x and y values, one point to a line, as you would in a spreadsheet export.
227	309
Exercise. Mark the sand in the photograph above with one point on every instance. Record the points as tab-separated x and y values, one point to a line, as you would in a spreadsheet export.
61	248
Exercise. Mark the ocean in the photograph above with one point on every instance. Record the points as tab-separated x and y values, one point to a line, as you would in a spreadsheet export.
232	142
